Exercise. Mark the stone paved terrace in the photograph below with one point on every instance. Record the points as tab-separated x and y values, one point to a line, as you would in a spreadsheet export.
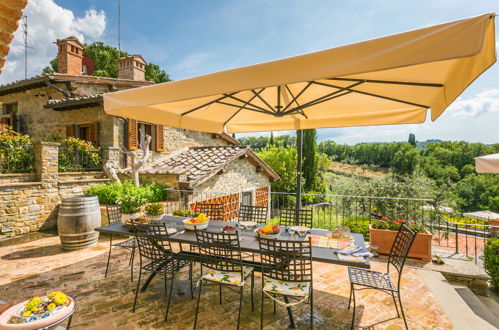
37	267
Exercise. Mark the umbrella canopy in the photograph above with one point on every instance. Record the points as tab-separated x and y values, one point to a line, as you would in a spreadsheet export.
482	215
390	80
487	164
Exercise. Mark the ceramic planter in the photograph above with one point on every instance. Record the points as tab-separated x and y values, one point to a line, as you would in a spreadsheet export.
384	238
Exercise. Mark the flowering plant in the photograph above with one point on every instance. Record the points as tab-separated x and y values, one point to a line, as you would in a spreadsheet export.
387	224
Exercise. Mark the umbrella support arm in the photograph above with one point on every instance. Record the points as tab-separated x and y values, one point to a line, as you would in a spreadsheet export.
299	146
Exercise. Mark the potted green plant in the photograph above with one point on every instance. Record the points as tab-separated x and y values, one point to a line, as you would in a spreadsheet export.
183	213
382	233
130	206
155	211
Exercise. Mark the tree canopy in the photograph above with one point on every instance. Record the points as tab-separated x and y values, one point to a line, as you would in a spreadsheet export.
448	164
105	59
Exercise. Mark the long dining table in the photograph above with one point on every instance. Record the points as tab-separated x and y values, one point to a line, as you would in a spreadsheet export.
248	243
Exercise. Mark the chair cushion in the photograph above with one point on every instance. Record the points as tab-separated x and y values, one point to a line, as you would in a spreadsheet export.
298	289
229	278
371	278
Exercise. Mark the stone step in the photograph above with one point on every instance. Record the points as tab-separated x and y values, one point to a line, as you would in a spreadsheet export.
476	305
455	307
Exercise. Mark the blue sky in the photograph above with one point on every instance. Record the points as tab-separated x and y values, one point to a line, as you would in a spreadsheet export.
190	38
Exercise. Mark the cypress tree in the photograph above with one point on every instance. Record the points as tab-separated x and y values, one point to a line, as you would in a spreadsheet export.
310	161
412	139
271	140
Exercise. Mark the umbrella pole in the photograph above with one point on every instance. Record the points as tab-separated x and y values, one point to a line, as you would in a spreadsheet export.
299	146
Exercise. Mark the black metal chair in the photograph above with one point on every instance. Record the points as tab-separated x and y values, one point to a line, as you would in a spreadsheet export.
289	275
370	279
213	211
289	217
114	215
253	213
221	258
156	255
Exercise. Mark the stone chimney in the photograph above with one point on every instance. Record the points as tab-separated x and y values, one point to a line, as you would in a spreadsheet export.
70	56
132	67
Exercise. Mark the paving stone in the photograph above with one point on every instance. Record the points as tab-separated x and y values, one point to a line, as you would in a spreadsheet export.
38	267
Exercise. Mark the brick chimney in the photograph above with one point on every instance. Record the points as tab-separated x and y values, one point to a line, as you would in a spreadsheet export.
132	67
70	56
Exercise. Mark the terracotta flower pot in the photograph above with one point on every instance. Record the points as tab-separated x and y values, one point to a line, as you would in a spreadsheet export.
383	238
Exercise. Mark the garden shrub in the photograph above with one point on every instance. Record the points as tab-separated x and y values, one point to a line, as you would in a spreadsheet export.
127	195
16	151
491	261
357	226
154	209
78	155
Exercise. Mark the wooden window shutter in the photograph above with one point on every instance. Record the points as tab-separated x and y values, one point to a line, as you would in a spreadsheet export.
160	137
133	134
93	133
70	130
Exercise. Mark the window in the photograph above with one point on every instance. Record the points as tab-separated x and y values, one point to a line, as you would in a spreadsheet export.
84	131
246	198
147	129
8	115
137	132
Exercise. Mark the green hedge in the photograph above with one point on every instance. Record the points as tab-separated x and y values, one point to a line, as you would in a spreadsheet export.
491	261
126	195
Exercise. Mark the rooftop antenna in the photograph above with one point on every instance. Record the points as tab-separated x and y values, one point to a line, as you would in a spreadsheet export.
25	37
119	28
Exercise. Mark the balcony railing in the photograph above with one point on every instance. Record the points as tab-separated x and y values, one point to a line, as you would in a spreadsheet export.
355	212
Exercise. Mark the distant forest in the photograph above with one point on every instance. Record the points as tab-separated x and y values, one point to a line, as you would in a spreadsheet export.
448	167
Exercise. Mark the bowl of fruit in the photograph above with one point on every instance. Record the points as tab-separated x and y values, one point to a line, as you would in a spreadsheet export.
137	221
269	232
200	222
38	312
229	229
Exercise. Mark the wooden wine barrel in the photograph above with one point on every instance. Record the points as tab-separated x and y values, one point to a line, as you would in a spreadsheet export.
78	216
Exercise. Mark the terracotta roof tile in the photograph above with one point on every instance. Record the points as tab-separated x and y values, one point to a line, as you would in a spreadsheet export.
196	164
75	99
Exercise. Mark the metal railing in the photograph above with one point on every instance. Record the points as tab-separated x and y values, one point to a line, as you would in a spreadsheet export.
73	159
17	158
462	238
356	212
329	210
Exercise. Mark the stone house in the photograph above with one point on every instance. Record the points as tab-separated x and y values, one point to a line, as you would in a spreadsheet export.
69	103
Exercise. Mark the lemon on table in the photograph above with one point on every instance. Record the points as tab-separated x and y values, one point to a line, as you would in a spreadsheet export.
268	229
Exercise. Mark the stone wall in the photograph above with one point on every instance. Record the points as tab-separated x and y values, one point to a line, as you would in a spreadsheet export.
17	177
239	176
29	202
39	122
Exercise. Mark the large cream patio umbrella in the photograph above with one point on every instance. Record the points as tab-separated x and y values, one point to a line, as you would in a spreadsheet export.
487	164
385	81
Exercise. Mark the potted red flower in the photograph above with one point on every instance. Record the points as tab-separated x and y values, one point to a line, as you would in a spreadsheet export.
382	233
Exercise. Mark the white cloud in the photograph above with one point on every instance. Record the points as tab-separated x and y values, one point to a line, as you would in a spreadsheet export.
47	22
482	103
192	62
92	24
